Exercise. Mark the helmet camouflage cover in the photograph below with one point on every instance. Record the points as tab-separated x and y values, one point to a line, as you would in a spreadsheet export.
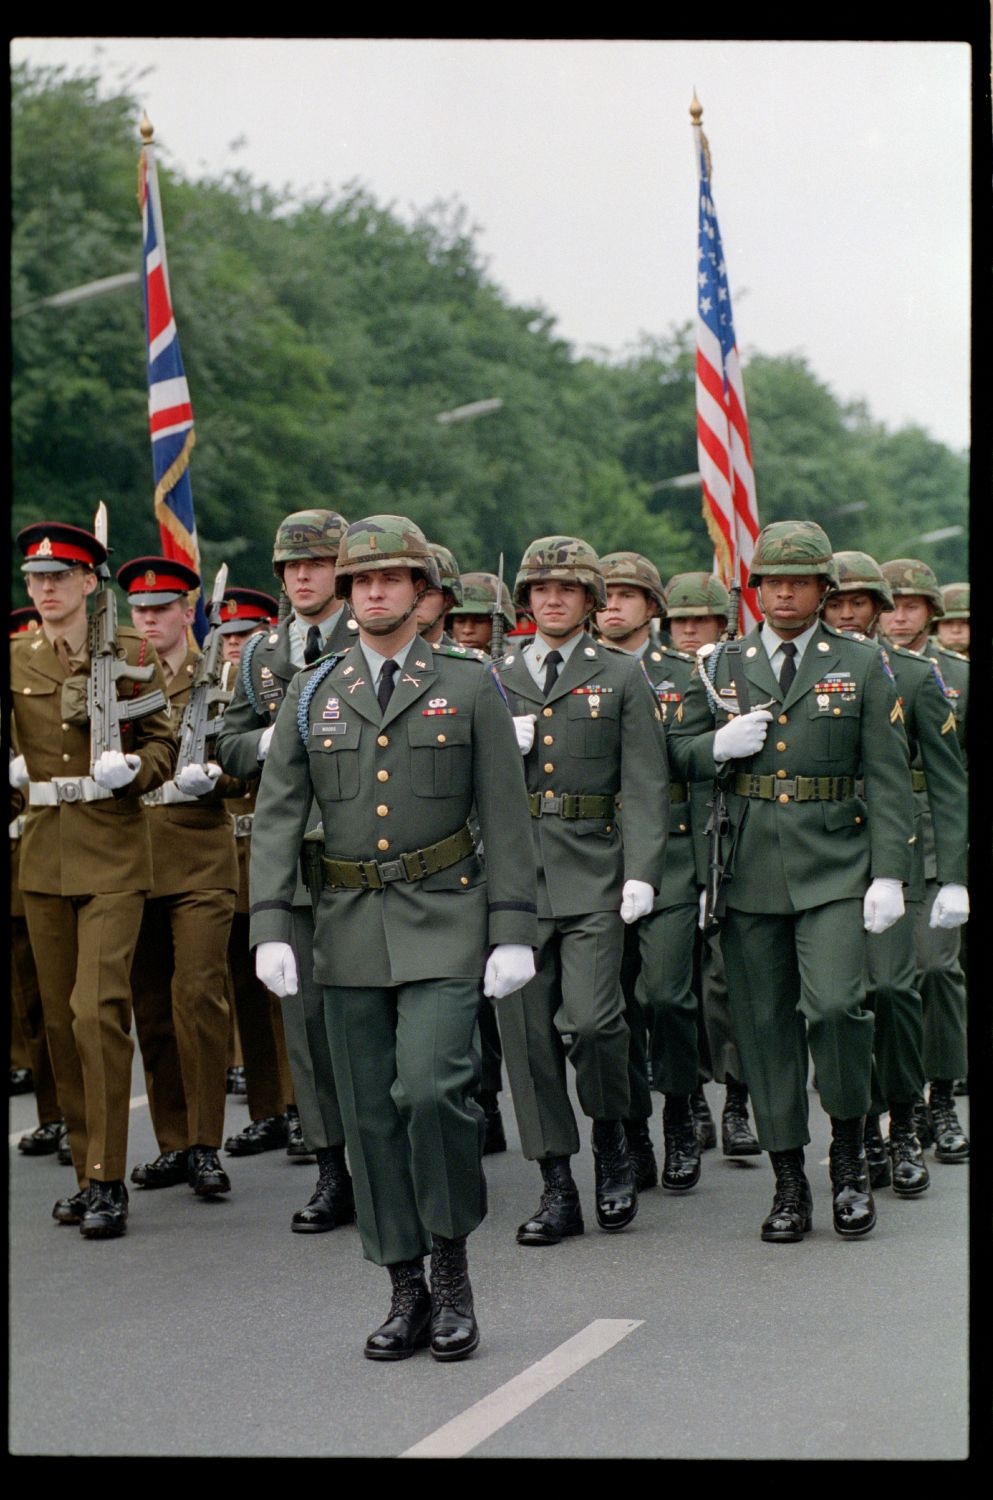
448	570
696	594
908	575
955	601
479	592
858	573
307	533
792	549
634	569
567	558
380	542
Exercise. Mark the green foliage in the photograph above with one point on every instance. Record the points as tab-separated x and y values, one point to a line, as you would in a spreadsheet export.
321	340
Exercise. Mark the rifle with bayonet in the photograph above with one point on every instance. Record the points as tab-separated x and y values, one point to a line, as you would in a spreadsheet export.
208	698
106	713
718	824
496	618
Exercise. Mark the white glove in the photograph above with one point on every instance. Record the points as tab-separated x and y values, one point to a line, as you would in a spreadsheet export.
113	770
19	772
882	905
197	780
276	968
264	739
508	968
951	907
637	898
742	736
524	727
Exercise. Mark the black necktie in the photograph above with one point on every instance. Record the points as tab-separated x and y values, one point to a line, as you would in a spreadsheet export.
787	671
385	693
314	646
552	661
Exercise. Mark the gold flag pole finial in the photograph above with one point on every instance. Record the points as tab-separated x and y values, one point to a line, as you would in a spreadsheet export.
147	128
696	120
696	109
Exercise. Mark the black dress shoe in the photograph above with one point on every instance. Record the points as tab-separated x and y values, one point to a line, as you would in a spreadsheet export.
792	1205
951	1144
681	1163
641	1153
616	1194
64	1153
737	1137
876	1156
296	1146
71	1210
910	1173
106	1215
206	1175
494	1139
454	1330
559	1215
165	1171
853	1208
21	1081
408	1324
703	1120
43	1140
260	1135
236	1081
332	1202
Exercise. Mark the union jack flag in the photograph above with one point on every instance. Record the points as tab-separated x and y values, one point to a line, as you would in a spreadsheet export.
170	414
724	452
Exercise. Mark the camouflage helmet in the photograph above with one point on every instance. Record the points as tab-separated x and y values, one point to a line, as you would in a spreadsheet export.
379	542
792	549
858	573
693	595
479	592
955	601
634	569
448	570
566	558
307	533
908	575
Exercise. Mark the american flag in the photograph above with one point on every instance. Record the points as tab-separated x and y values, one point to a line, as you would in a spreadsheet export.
723	448
170	415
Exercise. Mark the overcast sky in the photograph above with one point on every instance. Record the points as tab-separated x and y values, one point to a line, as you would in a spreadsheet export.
840	172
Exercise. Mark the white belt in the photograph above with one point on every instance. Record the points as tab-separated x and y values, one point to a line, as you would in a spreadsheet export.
17	826
168	792
242	824
65	789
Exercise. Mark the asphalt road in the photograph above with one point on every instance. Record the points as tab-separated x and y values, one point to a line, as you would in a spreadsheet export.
211	1330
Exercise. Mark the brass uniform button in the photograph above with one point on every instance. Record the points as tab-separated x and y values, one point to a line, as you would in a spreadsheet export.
328	744
463	880
682	827
609	828
837	712
858	819
594	713
442	738
382	740
783	719
65	756
549	766
65	727
382	775
783	797
382	810
781	745
549	793
27	690
547	712
383	844
780	774
549	739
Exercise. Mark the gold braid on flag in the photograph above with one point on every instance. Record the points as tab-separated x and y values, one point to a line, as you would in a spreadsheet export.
720	544
167	483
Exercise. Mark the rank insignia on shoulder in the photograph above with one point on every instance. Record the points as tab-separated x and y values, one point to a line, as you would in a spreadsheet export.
655	655
949	724
589	651
752	651
896	712
823	646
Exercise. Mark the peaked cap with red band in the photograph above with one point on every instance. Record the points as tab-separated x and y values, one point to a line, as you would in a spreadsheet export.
246	609
156	580
52	546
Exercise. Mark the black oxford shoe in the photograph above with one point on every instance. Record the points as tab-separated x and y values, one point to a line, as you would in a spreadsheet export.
260	1135
206	1175
43	1140
106	1216
616	1194
559	1215
165	1171
71	1210
408	1324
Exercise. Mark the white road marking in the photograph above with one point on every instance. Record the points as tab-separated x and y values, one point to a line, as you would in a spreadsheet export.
478	1422
136	1103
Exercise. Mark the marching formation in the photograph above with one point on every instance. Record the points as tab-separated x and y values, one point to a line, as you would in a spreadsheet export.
404	832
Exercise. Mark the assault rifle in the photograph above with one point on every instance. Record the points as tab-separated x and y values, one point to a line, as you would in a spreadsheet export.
496	618
718	824
106	713
198	724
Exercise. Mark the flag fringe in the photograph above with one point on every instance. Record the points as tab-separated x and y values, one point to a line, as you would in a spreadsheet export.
166	518
722	551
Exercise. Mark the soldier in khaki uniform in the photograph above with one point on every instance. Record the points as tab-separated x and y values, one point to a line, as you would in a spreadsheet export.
590	733
809	866
400	744
179	966
86	858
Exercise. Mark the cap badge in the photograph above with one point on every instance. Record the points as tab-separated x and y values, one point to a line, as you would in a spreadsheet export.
149	576
45	547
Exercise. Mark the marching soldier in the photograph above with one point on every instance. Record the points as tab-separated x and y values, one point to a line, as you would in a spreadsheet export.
435	603
180	960
590	733
399	744
808	867
86	857
303	559
953	626
916	604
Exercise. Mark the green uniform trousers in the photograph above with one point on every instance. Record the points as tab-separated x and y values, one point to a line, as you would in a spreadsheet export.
724	1059
28	1016
83	947
576	992
490	1049
268	1085
663	990
406	1071
797	980
306	1033
941	981
894	999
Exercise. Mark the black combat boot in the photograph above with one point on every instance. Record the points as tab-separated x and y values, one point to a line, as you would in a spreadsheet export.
260	1135
703	1120
642	1154
910	1174
454	1331
207	1177
106	1213
922	1124
71	1210
854	1210
236	1082
21	1081
408	1324
296	1146
559	1214
495	1140
681	1166
737	1137
332	1202
64	1153
792	1204
165	1171
876	1156
616	1194
951	1143
43	1140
